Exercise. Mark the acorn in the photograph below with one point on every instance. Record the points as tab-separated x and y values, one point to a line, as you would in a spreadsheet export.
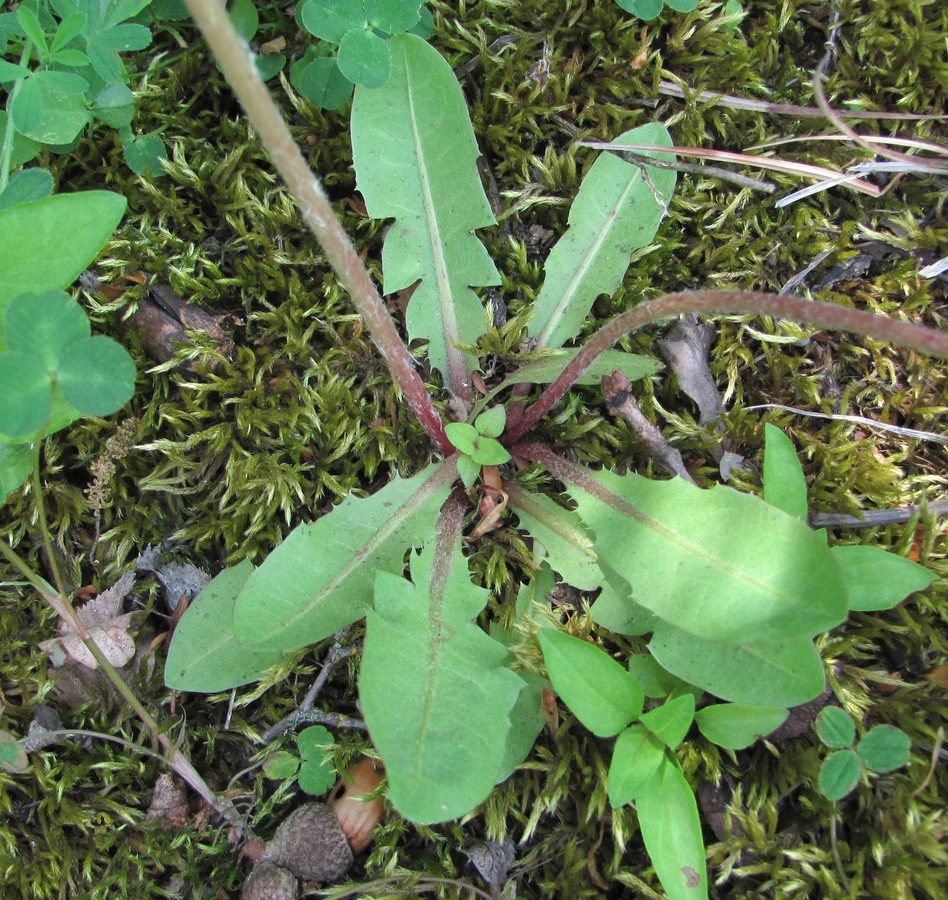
310	843
270	882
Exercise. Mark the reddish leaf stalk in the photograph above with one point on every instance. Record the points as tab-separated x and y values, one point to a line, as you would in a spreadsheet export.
811	312
238	66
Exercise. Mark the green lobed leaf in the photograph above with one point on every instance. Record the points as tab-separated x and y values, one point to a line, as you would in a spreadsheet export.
468	470
71	26
462	435
144	154
670	721
331	19
97	376
32	28
616	610
24	149
635	759
668	819
16	463
562	535
281	765
245	18
128	36
44	325
737	725
771	674
51	107
316	773
269	64
491	422
205	655
434	690
784	484
115	106
319	80
26	396
878	579
66	233
598	691
415	159
885	748
527	719
26	185
392	16
655	681
364	58
26	107
721	565
617	210
321	578
488	452
839	774
12	72
835	727
120	10
547	368
13	757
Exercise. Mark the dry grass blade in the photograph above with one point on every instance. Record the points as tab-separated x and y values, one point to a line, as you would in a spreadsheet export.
803	170
670	89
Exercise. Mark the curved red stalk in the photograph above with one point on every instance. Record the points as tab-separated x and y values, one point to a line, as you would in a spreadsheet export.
811	312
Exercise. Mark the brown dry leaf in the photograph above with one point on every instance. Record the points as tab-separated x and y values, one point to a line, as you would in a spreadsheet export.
686	350
108	629
277	45
169	803
939	675
492	860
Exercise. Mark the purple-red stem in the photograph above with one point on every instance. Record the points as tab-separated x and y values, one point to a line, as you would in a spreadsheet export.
811	312
238	66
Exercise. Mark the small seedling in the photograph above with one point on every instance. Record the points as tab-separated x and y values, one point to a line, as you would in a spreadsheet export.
884	748
63	69
477	443
355	50
312	768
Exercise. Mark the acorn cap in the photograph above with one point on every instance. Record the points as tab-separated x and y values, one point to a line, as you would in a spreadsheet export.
270	882
311	844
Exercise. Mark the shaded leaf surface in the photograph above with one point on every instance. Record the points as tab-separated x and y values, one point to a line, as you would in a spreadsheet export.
721	565
66	232
736	725
771	674
434	689
205	656
321	578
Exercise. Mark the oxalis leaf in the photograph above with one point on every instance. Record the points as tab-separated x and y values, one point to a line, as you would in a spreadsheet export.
414	154
434	690
720	565
617	210
63	235
320	578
